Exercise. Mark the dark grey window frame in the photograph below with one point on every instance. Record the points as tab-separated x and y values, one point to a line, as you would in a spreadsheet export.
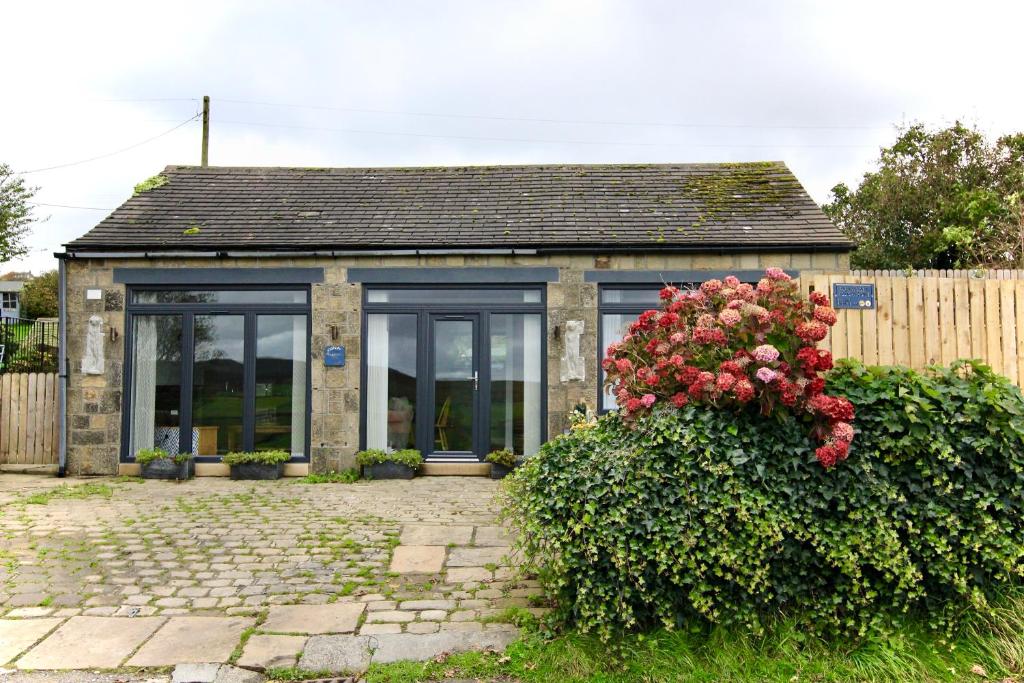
188	311
424	389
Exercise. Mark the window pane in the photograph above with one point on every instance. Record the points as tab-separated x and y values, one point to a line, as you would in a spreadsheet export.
280	418
218	381
454	385
156	383
613	329
390	381
515	383
471	295
222	296
647	297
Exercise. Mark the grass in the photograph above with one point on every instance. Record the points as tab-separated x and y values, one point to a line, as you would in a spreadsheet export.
345	477
68	492
989	649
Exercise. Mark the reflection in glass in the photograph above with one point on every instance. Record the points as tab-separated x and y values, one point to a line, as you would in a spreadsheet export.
219	296
218	381
390	381
156	382
453	296
454	385
280	417
515	403
648	297
613	328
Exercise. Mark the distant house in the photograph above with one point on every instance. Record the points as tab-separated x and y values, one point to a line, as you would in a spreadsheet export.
451	310
11	285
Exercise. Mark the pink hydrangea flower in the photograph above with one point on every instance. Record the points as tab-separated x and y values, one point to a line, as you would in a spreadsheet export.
777	274
730	317
732	281
842	431
766	375
766	353
648	400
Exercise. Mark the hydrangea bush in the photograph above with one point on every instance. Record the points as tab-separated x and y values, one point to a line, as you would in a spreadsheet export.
683	517
733	344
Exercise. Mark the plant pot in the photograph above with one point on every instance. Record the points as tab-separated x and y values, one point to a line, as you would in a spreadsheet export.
257	470
500	471
388	470
165	468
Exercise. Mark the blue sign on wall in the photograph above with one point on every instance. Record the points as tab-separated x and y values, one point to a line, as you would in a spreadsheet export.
853	296
334	356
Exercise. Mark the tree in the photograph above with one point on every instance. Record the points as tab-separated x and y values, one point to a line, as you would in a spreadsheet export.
942	199
15	214
39	296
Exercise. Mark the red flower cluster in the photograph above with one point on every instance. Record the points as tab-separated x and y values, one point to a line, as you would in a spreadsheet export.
730	344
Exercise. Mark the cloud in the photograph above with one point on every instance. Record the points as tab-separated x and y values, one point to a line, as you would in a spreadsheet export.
819	85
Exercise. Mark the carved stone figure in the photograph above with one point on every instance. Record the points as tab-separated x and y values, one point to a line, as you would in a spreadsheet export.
92	362
573	366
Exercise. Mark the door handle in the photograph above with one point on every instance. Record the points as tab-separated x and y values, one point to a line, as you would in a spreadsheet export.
476	380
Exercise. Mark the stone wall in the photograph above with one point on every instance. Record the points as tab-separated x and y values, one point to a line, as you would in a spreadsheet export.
94	401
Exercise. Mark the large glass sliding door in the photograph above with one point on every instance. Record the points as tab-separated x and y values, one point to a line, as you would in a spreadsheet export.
515	396
213	372
155	393
280	407
454	373
218	384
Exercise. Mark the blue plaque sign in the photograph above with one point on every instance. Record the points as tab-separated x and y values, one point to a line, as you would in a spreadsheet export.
334	356
853	296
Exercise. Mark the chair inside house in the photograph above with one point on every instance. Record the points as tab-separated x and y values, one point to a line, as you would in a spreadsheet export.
442	424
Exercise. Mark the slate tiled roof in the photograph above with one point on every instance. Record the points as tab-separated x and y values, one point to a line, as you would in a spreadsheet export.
692	206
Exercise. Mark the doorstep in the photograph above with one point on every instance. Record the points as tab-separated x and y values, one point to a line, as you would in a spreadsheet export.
216	469
455	469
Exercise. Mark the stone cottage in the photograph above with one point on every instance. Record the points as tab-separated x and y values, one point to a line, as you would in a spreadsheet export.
451	310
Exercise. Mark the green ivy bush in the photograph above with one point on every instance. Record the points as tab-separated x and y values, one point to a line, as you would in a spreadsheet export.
725	516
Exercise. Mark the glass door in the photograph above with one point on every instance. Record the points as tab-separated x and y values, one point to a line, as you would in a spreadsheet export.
454	383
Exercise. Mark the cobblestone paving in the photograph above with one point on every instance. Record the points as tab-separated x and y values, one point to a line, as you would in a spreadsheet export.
285	559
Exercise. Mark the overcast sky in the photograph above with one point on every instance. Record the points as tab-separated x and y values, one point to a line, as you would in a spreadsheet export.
820	85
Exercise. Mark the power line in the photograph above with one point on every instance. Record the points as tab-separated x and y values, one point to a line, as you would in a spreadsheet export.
485	117
69	206
535	140
110	154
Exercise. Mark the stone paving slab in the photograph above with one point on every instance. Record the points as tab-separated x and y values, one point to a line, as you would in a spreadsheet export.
266	652
492	536
16	635
340	617
418	559
342	654
191	639
90	642
476	557
434	534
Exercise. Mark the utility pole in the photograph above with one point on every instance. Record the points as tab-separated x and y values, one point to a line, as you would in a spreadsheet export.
206	131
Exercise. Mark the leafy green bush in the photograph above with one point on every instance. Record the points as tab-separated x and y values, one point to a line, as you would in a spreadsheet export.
257	457
372	456
726	516
504	457
148	455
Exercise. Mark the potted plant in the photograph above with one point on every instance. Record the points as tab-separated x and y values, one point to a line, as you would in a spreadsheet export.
156	463
257	464
380	464
502	463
